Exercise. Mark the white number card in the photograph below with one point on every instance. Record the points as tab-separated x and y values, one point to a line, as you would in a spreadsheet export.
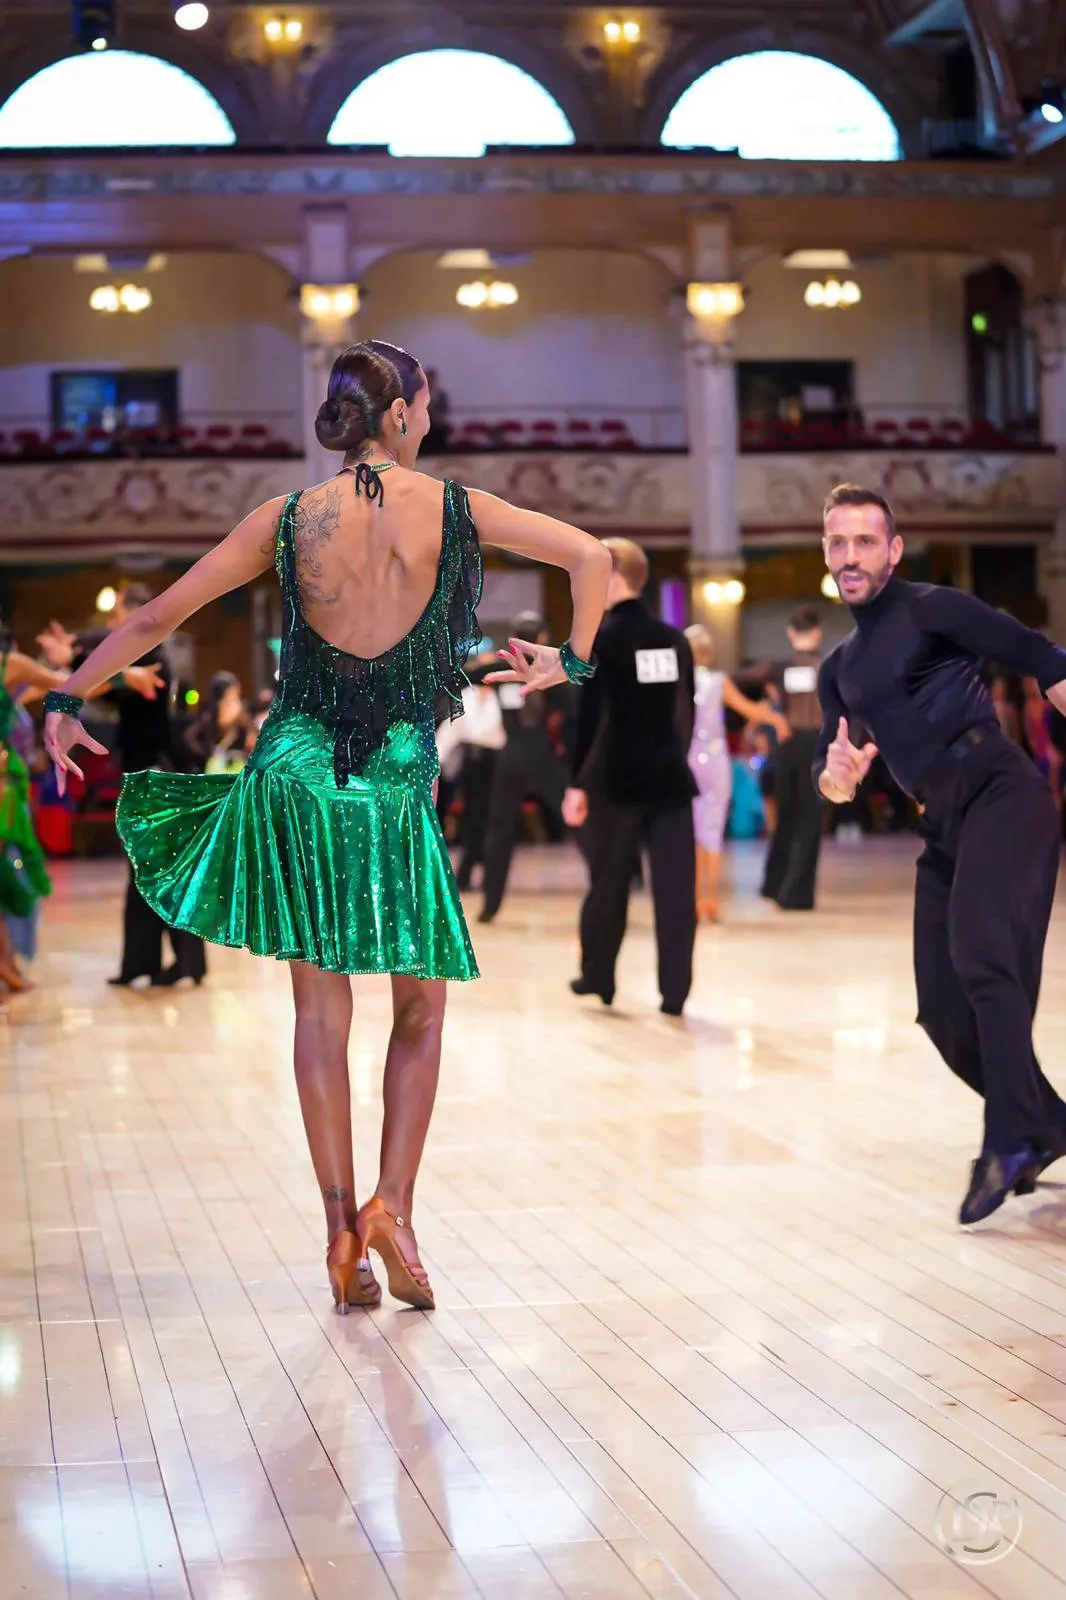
657	666
511	698
801	680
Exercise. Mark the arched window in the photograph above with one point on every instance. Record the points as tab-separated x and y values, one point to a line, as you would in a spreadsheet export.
777	105
449	103
114	97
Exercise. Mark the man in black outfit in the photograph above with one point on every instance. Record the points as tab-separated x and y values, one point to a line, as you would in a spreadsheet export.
911	673
526	768
792	860
143	741
633	787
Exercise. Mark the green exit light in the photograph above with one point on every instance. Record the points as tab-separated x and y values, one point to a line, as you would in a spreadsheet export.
979	322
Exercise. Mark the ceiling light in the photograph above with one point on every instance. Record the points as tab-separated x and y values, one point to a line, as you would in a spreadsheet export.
612	32
832	294
294	30
715	301
323	302
503	294
273	28
105	298
133	298
631	32
93	22
1050	111
190	14
90	263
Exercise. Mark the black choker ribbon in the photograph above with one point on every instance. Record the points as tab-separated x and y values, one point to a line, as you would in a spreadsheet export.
368	481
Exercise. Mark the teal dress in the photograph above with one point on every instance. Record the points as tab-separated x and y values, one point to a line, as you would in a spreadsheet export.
24	877
326	847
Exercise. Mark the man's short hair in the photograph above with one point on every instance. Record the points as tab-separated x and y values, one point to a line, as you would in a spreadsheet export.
853	494
134	595
629	560
805	619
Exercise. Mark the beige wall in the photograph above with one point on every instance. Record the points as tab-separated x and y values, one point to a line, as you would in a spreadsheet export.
228	322
905	336
591	331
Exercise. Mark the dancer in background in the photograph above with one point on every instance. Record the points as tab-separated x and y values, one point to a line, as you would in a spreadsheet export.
632	786
325	850
526	768
474	742
712	764
219	738
791	869
912	673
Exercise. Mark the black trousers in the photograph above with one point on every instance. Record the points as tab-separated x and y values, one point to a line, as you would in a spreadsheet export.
614	836
142	942
475	784
985	887
519	776
792	861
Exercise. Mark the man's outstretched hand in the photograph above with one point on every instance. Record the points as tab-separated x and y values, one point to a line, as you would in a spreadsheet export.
846	765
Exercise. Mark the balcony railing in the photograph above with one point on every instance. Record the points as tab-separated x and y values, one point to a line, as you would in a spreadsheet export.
269	435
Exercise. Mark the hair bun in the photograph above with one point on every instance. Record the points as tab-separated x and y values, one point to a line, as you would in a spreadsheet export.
340	424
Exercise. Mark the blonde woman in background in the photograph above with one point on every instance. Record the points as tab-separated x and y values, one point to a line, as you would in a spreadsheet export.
711	763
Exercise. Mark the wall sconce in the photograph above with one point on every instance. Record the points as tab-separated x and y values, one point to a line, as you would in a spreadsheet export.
714	302
283	29
832	295
729	593
487	296
190	15
618	32
321	302
829	588
110	298
106	600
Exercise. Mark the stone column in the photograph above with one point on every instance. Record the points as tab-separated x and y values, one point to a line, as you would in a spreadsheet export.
324	334
716	559
1048	319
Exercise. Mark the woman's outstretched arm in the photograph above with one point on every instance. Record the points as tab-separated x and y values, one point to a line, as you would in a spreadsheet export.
542	538
241	556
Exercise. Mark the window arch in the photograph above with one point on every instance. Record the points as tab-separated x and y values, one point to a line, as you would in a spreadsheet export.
449	103
114	97
779	105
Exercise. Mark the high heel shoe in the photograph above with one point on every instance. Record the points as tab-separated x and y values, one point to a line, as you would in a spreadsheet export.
349	1269
408	1280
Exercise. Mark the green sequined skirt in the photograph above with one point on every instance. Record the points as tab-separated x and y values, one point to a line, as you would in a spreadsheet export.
280	860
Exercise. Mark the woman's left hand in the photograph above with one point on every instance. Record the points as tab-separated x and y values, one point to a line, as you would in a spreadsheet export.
534	666
61	734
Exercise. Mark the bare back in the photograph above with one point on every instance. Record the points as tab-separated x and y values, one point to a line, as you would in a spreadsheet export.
367	569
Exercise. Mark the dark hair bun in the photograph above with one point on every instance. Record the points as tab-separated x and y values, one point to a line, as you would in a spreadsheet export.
341	424
365	381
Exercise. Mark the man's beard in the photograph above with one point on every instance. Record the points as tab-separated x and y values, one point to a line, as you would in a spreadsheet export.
877	583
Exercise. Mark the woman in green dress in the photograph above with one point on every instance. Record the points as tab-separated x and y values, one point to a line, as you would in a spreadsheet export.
325	851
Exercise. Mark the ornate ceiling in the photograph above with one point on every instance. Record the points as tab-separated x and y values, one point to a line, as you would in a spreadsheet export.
289	95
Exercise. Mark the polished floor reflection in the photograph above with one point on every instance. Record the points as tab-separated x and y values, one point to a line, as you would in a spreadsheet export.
706	1326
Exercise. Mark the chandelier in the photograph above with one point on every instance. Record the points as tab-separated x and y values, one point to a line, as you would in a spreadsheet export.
490	296
832	295
110	298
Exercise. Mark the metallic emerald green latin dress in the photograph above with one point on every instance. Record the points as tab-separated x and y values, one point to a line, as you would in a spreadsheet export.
326	847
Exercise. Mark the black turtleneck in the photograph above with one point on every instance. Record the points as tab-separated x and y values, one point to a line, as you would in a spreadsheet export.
911	673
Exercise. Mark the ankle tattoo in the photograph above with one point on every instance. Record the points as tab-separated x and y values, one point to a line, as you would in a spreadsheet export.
336	1194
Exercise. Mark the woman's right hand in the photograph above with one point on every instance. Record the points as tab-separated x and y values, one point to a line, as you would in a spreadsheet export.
61	734
534	666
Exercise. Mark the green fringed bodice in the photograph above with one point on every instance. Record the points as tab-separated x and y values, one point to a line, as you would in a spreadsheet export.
419	681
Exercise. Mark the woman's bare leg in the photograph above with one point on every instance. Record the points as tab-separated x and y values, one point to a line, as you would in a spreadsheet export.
412	1067
323	1024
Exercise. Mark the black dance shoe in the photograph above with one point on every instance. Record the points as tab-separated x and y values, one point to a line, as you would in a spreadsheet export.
671	1008
993	1177
122	982
583	986
1046	1156
172	975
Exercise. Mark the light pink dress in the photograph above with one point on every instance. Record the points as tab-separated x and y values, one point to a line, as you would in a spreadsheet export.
710	761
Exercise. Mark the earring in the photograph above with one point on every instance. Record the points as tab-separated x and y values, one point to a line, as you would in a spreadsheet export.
403	426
